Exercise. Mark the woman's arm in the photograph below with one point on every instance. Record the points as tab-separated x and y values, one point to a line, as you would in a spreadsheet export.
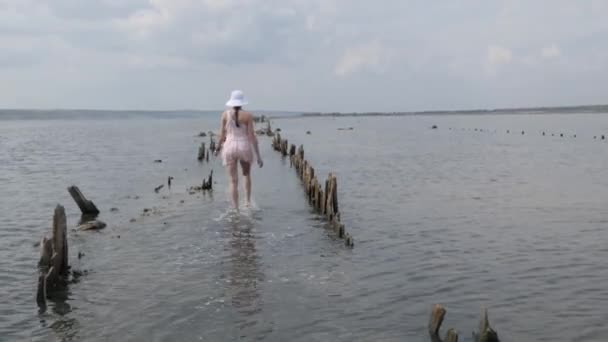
254	140
222	132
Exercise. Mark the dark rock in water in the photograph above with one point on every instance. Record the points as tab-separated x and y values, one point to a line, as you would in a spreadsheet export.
158	161
157	189
182	201
308	132
278	129
146	210
434	127
92	225
113	209
132	220
202	134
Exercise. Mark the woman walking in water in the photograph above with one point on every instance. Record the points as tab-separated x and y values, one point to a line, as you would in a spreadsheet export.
237	144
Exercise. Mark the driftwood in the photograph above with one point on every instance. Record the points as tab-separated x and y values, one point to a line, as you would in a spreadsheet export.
53	265
486	333
86	207
92	225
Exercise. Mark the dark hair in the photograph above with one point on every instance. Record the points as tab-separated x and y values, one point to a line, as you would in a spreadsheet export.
236	115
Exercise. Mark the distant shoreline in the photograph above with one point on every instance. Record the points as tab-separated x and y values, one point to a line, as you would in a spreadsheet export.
591	109
276	114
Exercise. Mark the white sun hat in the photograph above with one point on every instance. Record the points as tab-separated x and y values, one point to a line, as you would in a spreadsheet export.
237	99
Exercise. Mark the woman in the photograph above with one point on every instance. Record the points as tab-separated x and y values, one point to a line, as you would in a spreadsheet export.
237	144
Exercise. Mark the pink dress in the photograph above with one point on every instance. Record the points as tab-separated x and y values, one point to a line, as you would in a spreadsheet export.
237	146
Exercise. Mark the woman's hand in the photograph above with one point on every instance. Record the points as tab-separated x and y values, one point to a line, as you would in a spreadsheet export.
260	162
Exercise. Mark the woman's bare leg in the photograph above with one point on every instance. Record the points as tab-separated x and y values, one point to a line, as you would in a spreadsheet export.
247	175
233	187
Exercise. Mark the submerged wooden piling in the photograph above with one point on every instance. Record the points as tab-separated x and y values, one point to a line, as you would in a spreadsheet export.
323	199
53	265
86	207
201	152
485	334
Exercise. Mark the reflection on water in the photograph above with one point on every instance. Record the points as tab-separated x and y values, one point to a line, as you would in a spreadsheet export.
245	273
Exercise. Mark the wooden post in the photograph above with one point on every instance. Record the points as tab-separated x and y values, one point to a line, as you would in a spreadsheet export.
86	207
211	144
201	152
53	264
437	316
486	333
451	336
335	194
60	242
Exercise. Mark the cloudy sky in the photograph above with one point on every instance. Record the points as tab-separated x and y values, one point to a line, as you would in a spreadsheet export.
312	55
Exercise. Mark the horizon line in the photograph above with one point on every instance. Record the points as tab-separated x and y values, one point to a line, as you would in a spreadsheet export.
498	109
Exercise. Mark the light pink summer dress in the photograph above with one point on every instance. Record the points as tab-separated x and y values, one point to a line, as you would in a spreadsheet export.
237	146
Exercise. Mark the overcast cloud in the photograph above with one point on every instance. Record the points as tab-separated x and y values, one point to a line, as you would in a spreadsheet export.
312	55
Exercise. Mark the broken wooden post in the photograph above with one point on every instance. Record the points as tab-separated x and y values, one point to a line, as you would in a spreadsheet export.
208	183
486	333
54	263
292	150
86	207
437	316
211	144
201	152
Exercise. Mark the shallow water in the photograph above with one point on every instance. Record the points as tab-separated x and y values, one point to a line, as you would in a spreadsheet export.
454	216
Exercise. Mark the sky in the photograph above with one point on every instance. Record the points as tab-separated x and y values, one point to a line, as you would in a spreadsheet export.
303	55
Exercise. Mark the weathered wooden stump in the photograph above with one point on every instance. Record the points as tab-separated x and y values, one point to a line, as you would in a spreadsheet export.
208	183
86	207
212	147
53	265
486	333
201	152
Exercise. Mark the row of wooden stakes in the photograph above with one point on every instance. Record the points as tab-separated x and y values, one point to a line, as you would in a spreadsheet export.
323	199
